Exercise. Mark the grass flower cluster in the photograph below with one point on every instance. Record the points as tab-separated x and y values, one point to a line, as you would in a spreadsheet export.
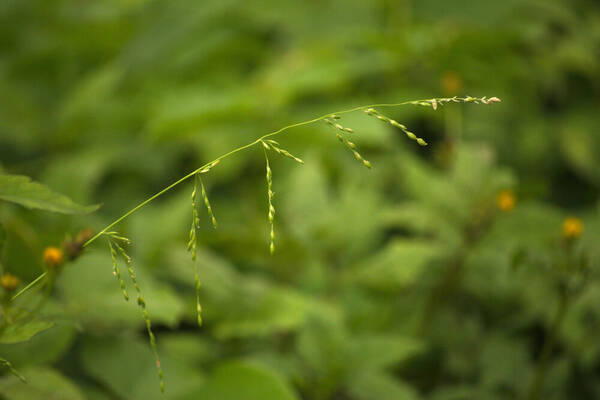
117	242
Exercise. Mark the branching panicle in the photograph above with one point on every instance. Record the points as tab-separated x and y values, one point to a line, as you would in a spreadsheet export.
116	240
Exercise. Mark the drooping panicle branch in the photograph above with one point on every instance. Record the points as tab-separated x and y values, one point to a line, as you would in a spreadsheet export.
341	135
192	248
411	135
117	271
270	195
270	144
116	248
213	220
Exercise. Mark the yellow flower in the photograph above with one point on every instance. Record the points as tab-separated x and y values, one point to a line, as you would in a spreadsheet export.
572	228
53	257
506	200
9	282
451	83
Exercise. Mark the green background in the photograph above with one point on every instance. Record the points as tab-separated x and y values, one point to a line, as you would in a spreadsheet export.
110	101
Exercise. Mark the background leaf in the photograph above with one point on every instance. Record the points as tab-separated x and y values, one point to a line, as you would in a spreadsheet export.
238	379
22	190
43	384
16	332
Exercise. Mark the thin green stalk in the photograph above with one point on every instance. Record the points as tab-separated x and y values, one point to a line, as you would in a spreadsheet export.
4	362
424	102
548	347
31	284
142	303
445	286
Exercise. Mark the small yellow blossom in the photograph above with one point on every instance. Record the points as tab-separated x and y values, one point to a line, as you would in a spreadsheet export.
506	200
53	257
572	228
451	83
9	282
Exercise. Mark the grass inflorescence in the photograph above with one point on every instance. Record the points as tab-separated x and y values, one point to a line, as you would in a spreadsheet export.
116	241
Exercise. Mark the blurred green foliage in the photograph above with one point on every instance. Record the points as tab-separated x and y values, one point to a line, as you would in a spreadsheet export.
403	282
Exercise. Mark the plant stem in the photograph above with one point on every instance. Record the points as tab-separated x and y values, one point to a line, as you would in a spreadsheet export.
8	365
548	346
31	284
446	285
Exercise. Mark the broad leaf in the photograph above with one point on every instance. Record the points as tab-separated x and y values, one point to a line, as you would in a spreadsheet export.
373	351
243	380
381	386
43	384
125	364
21	333
41	349
396	266
22	190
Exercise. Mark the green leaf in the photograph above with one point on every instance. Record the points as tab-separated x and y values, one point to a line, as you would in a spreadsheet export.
43	384
376	351
381	386
267	309
43	348
22	190
237	380
21	333
396	266
125	364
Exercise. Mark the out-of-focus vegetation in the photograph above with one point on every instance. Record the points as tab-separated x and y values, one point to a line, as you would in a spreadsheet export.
446	272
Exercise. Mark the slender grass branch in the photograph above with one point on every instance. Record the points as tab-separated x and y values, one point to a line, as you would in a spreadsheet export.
29	286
